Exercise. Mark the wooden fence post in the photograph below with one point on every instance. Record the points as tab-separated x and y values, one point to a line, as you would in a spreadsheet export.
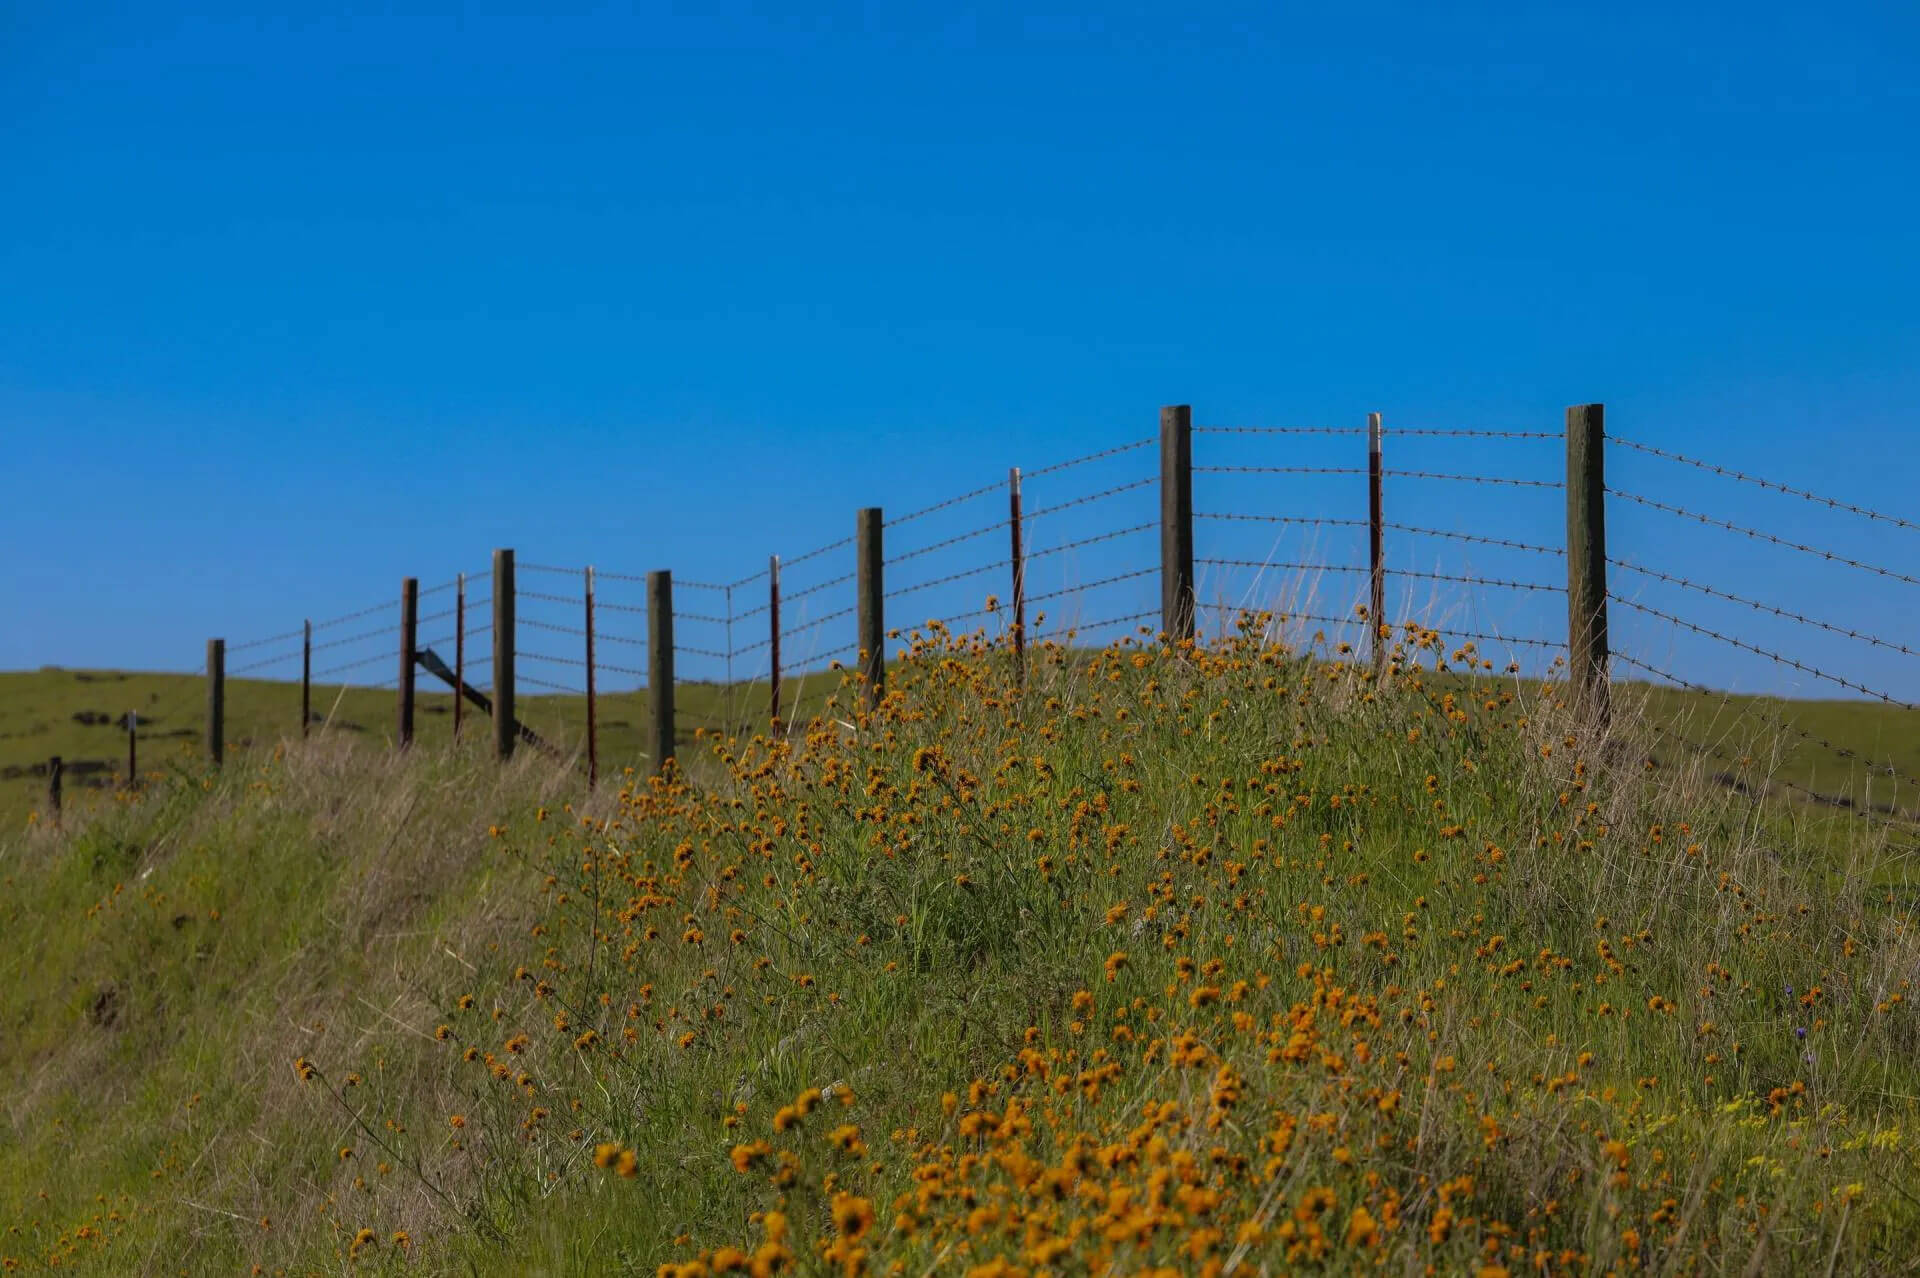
409	639
306	676
593	737
133	756
1019	580
54	768
773	641
1376	548
1176	523
660	668
870	561
459	649
504	727
216	699
1587	559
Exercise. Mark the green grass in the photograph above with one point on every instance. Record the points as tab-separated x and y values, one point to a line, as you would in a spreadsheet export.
944	877
1813	751
40	717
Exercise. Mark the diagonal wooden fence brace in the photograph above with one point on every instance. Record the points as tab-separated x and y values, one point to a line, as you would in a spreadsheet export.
430	661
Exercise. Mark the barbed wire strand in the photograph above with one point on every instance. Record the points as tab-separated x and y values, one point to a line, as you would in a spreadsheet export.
1280	430
362	637
1032	515
1090	457
1776	657
524	655
1459	433
625	670
749	580
1091	585
1474	538
1329	521
258	643
1757	606
1474	479
353	665
1496	582
576	631
1757	535
1774	721
234	672
1279	470
1833	503
1088	541
1279	563
815	553
841	580
942	545
950	577
368	611
552	687
1078	627
812	625
950	502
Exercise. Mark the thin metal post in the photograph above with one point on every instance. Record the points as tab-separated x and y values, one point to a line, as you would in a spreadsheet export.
459	649
1376	548
1019	580
133	754
55	767
1176	523
593	738
773	641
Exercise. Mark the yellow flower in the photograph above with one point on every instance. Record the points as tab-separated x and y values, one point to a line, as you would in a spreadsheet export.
852	1215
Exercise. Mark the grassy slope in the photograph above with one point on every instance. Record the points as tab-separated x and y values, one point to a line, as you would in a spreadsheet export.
39	709
168	959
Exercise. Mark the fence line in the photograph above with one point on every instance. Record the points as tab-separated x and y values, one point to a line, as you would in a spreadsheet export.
845	575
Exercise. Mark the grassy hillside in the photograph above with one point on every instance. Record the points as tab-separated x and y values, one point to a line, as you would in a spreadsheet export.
1156	963
80	715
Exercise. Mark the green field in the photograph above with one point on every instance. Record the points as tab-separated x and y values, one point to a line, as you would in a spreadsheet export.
1230	962
45	713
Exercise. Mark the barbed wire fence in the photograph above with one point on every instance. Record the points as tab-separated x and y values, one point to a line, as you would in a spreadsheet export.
1873	779
1305	527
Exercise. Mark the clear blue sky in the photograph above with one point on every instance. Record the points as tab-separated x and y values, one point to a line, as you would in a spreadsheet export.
293	305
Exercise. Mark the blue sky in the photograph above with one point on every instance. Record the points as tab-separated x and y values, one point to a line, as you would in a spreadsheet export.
295	304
